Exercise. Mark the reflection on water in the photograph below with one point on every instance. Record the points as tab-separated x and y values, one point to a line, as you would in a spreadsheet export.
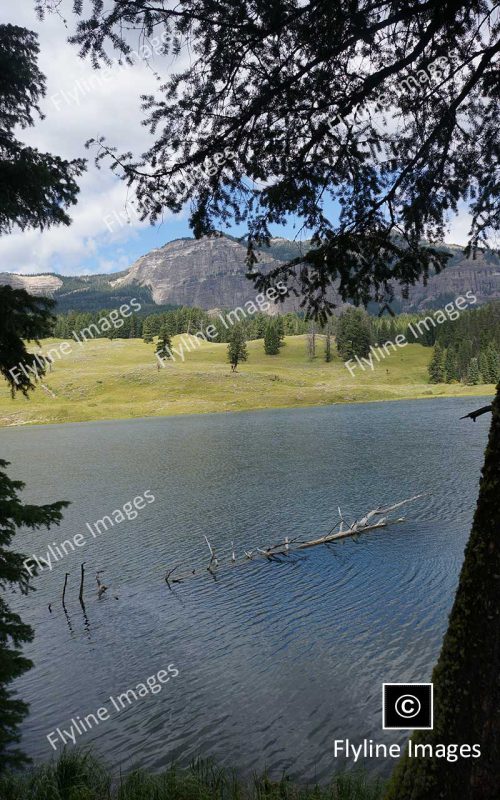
276	659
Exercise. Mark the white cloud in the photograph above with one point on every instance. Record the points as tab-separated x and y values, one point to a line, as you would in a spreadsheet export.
105	103
91	103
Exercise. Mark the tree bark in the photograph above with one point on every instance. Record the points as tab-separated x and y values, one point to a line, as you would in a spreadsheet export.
467	676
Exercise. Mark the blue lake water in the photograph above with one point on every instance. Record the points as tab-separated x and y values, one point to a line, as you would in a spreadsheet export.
275	660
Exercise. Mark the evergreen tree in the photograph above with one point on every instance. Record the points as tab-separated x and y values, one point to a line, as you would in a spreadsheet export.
35	188
473	376
436	367
164	344
411	338
450	365
464	356
13	632
35	191
328	343
484	367
272	338
133	330
353	334
237	348
311	340
493	364
261	321
466	682
383	332
147	330
391	193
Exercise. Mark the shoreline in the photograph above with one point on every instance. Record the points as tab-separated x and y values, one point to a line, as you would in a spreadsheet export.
119	379
181	414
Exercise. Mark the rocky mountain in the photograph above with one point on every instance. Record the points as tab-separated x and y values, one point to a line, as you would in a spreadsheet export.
210	273
45	285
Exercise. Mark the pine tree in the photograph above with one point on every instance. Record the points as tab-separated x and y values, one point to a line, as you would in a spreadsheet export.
328	343
164	345
436	367
484	369
450	365
13	632
36	190
133	328
354	334
147	332
272	338
473	376
493	364
466	677
237	348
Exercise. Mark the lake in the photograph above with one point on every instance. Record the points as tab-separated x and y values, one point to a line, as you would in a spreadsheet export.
275	660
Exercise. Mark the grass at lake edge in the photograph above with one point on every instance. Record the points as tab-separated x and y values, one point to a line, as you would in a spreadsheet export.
119	379
77	775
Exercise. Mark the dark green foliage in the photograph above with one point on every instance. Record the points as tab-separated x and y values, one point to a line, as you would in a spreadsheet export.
479	327
328	343
475	335
436	367
13	632
35	188
473	376
354	334
237	348
164	344
273	337
299	121
78	776
147	331
23	318
134	327
466	677
492	365
450	366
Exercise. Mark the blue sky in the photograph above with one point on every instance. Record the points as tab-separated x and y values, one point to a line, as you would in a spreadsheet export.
81	105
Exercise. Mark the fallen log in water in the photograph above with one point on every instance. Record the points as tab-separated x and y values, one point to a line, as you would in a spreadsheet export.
289	546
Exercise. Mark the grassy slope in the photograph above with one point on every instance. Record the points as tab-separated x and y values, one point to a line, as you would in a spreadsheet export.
119	379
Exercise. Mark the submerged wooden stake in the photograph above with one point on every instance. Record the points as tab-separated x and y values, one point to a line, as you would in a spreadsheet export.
64	587
80	596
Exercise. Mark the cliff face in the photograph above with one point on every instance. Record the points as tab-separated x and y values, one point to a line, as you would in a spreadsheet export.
208	273
480	276
44	285
211	273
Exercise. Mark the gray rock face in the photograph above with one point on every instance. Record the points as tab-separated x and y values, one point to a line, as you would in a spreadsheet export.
481	276
44	285
208	273
211	273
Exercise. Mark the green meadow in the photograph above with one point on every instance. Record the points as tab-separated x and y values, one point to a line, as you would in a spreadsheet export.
119	379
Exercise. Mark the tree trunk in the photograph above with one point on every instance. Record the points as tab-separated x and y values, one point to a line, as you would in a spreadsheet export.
467	676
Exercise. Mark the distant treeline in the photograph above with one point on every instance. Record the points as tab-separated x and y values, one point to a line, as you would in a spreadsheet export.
176	321
466	344
468	349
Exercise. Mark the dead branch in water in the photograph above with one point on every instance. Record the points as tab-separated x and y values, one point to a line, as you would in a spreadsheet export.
293	546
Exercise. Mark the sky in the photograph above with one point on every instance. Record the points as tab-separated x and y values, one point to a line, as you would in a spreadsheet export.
80	104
